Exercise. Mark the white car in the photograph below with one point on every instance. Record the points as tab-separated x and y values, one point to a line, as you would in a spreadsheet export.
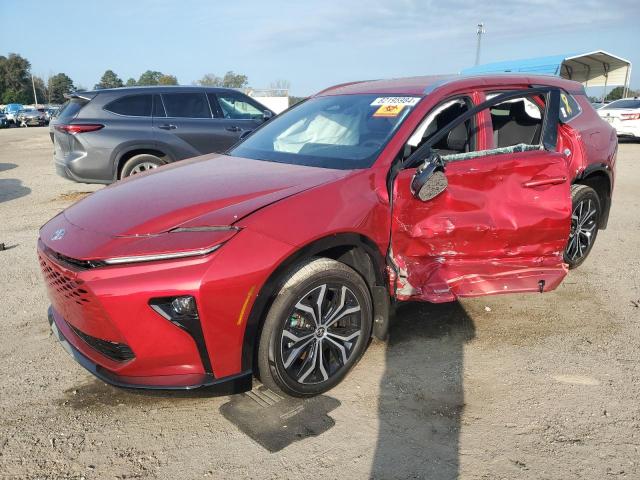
624	116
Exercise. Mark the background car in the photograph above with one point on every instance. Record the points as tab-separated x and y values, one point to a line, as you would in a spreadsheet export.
30	117
624	116
104	135
51	112
3	120
11	110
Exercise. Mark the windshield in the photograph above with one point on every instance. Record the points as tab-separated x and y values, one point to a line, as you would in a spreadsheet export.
630	103
343	132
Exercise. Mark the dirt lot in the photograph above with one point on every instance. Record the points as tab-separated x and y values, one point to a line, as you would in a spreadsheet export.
525	386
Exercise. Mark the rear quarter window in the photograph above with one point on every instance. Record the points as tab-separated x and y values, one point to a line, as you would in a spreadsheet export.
132	106
569	108
71	108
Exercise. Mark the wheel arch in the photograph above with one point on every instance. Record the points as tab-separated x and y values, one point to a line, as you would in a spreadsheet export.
132	151
598	177
353	249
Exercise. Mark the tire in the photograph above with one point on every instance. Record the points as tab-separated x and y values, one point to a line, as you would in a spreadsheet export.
585	218
140	163
296	355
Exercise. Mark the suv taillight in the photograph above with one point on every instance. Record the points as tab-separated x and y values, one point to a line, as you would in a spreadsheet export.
79	128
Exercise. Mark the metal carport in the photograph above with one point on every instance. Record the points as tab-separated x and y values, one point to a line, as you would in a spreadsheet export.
592	69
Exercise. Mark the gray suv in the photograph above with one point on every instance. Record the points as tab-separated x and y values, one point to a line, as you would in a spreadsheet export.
104	135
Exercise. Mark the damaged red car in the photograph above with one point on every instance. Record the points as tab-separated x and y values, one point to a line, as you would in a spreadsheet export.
281	258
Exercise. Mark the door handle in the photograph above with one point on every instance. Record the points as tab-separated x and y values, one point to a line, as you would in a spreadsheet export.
544	181
234	128
167	126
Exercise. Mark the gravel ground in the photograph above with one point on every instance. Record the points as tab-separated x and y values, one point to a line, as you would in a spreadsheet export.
522	386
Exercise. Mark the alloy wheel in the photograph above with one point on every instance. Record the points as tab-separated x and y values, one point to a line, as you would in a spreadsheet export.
584	222
143	167
321	333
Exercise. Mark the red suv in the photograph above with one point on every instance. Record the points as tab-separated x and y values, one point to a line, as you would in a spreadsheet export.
281	258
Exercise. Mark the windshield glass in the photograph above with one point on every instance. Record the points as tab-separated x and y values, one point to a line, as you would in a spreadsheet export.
344	132
630	103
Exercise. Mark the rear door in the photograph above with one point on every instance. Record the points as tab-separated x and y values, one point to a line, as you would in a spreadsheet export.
183	120
503	221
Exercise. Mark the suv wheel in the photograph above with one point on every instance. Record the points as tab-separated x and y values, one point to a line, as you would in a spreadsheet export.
316	330
585	217
141	163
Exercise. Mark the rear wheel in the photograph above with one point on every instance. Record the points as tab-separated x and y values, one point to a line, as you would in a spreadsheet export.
141	163
316	330
585	218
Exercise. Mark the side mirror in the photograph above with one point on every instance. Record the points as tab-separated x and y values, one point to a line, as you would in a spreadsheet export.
267	115
429	180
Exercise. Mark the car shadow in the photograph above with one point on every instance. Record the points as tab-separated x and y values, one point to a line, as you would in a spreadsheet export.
7	166
421	392
12	188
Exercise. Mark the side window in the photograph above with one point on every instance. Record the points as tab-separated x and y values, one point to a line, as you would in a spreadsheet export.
459	140
186	105
158	107
516	122
131	105
569	108
238	107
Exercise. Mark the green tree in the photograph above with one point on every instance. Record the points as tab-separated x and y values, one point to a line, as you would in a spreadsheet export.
210	80
59	85
234	80
15	80
230	80
131	82
109	80
168	80
150	77
618	93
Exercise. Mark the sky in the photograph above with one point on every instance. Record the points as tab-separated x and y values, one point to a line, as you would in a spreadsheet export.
311	44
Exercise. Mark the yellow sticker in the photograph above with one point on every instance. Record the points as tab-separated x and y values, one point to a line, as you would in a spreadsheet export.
388	111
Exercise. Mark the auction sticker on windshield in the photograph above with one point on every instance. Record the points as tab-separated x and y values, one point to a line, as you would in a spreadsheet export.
392	106
411	101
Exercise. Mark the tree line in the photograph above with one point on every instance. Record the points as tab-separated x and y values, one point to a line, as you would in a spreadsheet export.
17	83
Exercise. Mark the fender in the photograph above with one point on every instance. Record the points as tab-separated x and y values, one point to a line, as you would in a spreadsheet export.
269	289
599	168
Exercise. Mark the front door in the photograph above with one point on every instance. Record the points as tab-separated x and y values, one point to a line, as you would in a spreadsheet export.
502	222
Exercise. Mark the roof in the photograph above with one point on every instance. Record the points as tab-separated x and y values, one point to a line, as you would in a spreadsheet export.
425	85
592	69
143	88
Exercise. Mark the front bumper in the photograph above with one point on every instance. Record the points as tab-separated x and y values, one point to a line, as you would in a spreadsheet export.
228	385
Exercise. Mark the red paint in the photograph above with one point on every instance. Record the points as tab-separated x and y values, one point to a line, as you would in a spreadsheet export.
501	226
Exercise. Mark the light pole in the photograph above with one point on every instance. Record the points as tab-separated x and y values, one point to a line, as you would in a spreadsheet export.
34	90
480	31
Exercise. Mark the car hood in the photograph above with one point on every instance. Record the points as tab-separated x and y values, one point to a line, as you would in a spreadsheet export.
214	190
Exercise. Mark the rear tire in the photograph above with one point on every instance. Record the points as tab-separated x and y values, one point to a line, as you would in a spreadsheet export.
140	164
301	356
585	219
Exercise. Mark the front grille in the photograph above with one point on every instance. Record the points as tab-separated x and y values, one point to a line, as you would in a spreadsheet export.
63	284
118	352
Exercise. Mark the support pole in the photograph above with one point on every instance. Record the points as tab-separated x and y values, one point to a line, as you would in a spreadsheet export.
480	31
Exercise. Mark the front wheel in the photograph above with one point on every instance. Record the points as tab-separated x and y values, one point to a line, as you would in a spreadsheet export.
316	330
585	218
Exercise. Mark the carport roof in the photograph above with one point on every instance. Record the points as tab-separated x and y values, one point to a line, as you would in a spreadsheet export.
592	69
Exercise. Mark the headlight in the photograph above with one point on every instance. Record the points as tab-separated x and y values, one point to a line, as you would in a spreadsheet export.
177	243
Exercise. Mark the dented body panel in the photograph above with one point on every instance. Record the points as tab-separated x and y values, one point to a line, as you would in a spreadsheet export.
488	232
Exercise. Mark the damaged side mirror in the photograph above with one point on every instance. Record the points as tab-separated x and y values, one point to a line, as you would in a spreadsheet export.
429	180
